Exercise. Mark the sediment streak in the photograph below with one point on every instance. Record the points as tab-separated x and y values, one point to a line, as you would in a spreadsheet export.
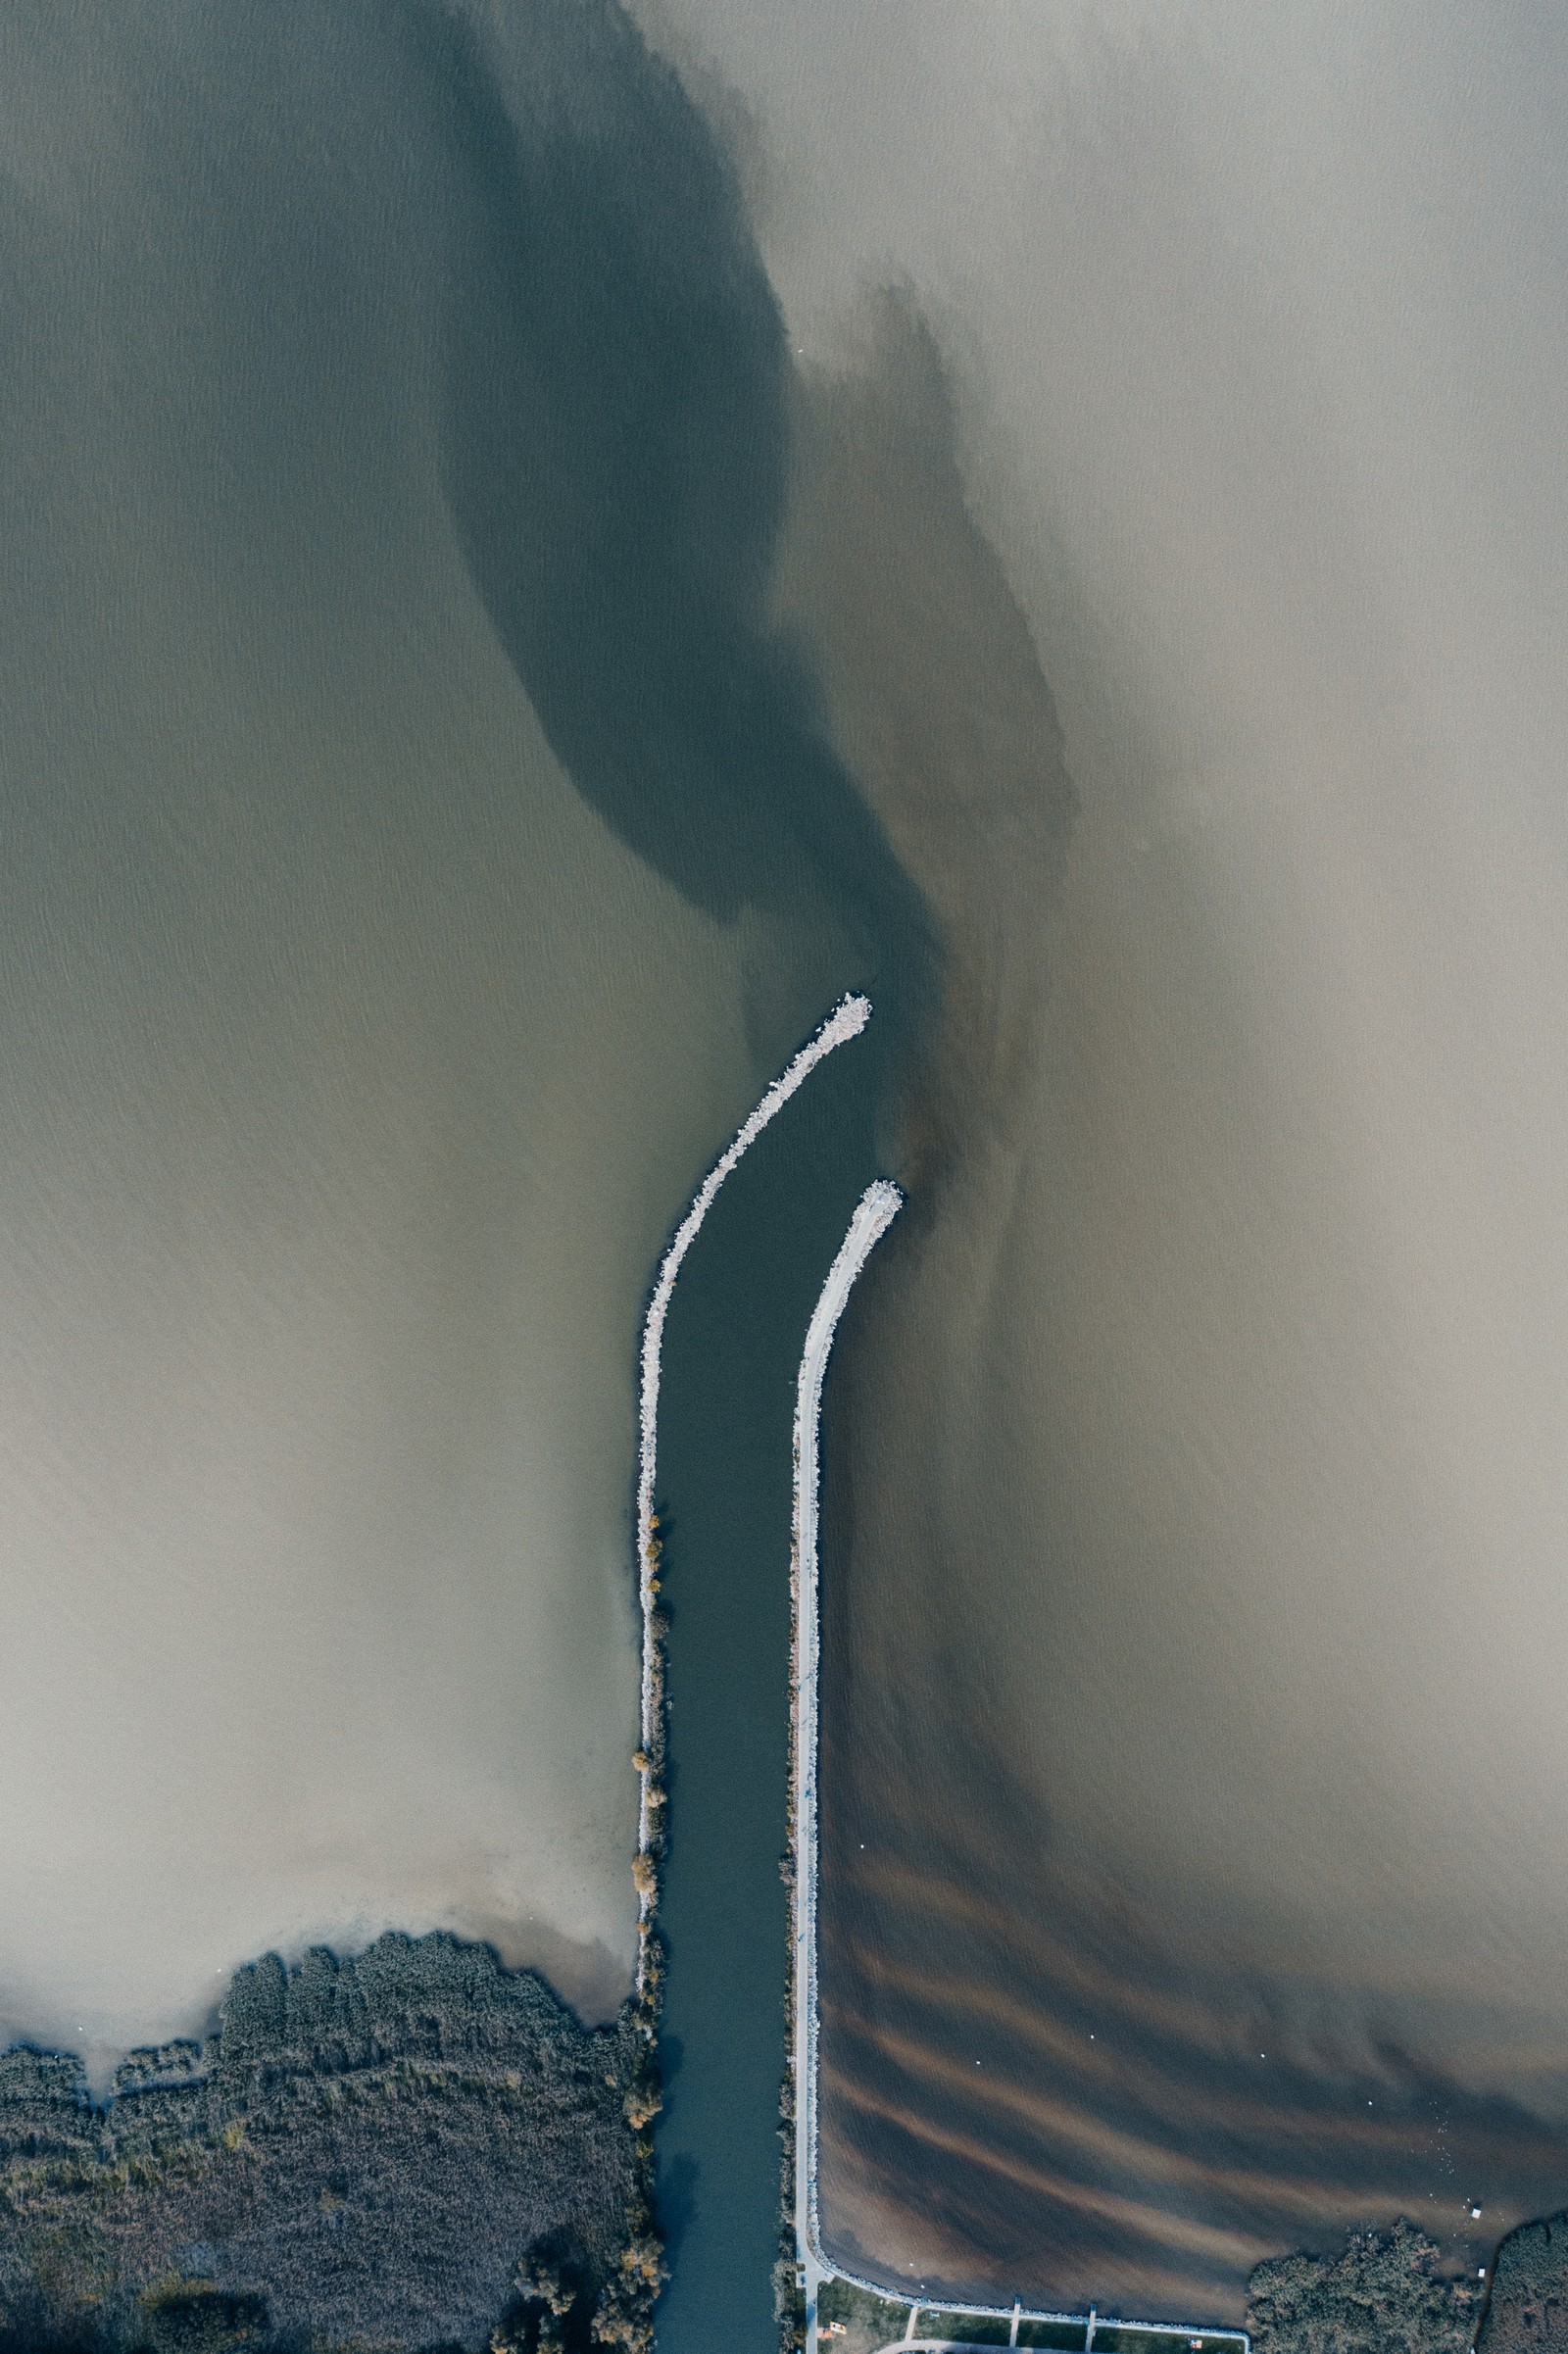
847	1021
874	1213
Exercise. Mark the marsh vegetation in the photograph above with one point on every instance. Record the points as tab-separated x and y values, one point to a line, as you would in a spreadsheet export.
413	2149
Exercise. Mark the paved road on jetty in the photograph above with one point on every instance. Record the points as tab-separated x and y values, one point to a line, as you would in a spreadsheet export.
745	1333
874	1213
878	1207
740	1284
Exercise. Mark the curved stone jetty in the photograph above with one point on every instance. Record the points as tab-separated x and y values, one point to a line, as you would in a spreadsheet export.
874	1213
847	1021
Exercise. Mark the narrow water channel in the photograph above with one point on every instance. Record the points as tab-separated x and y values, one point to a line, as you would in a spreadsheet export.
732	1351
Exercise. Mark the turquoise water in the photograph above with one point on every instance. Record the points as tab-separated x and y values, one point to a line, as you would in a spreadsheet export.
732	1351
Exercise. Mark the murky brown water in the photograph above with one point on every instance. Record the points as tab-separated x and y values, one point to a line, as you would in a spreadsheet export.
1181	553
1196	1771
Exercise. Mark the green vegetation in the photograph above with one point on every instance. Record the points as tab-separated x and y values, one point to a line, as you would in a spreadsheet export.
414	2150
1384	2295
1529	2302
868	2321
972	2329
563	2303
192	2317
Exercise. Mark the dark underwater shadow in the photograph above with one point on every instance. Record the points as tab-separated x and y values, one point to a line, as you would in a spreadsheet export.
617	462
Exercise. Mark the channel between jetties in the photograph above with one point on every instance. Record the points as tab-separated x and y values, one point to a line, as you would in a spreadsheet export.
847	1021
873	1215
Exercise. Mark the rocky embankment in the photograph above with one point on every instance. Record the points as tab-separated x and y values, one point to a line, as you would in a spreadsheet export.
413	2149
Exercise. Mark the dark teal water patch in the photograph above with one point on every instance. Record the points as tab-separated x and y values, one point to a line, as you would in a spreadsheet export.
617	459
732	1351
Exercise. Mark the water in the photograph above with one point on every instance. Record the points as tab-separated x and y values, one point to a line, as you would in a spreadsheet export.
732	1352
350	1072
1192	1778
379	950
1195	1764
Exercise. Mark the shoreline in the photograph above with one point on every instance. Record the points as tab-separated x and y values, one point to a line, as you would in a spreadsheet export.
874	1213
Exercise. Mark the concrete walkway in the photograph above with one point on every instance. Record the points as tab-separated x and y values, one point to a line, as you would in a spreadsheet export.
878	1207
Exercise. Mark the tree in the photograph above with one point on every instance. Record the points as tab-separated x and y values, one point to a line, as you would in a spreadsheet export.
1384	2295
